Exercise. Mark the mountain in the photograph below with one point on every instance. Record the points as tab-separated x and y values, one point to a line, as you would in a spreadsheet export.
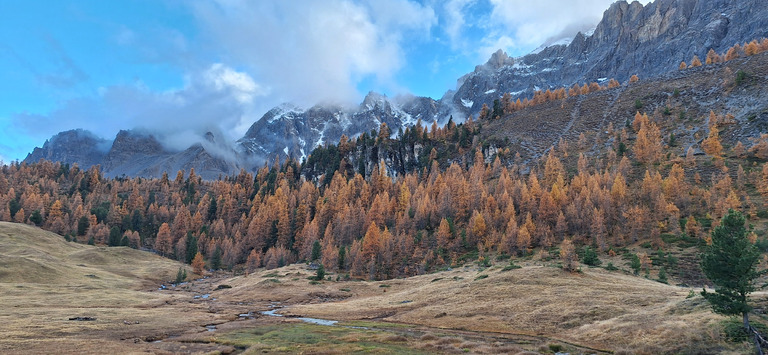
74	146
630	39
295	132
133	153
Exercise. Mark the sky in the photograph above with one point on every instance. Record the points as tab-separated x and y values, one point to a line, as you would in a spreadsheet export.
180	68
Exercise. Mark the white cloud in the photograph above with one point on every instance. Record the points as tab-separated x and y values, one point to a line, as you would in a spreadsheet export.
218	99
454	20
516	25
310	51
242	85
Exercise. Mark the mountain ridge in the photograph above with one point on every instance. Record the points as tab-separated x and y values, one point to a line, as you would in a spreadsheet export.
630	39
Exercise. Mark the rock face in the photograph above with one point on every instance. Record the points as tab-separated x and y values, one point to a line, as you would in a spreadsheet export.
136	154
291	131
630	39
75	146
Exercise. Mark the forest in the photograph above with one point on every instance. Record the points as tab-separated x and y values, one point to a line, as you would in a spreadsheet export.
375	207
388	224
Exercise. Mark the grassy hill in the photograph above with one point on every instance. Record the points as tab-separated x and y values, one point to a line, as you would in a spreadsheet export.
594	311
46	280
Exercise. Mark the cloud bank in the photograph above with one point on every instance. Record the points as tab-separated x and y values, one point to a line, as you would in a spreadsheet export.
312	51
240	58
218	99
517	26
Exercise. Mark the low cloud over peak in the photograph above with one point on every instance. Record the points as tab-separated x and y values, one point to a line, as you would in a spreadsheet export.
312	51
218	99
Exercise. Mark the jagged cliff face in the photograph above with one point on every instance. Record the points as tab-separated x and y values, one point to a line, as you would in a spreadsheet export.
630	39
136	154
70	147
291	131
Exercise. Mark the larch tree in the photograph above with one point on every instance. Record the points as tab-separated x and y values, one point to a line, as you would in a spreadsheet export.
712	57
731	264
648	144
568	256
695	62
164	240
751	48
711	145
198	264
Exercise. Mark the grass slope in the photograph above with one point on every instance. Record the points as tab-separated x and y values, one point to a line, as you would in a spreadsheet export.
595	309
45	281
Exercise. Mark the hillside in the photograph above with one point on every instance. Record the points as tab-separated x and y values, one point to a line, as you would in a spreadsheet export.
46	280
679	101
471	309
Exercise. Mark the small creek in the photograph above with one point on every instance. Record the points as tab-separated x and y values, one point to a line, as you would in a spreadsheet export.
273	313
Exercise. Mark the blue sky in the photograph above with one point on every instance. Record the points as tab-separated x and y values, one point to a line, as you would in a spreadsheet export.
179	68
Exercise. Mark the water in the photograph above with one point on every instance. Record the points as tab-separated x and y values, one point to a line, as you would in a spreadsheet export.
328	322
272	313
210	328
318	321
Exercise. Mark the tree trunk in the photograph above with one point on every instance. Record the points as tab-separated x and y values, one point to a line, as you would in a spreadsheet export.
758	346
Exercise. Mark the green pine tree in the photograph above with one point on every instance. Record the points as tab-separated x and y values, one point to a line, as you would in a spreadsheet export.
342	256
634	263
590	257
191	247
731	264
216	259
114	237
181	275
82	225
36	218
663	275
315	250
320	273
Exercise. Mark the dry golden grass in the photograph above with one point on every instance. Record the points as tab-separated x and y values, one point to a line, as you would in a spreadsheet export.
45	280
594	309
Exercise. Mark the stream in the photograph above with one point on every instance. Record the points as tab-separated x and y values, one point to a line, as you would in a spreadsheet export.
273	313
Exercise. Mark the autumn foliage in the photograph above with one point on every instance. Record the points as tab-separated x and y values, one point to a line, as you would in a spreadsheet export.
736	51
374	221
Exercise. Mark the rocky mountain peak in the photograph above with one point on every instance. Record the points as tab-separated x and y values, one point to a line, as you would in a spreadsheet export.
73	146
499	59
374	100
648	40
630	39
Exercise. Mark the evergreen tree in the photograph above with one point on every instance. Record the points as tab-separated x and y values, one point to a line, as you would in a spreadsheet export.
315	250
731	264
635	264
216	259
320	273
82	225
181	275
191	247
590	257
36	218
342	256
663	275
114	237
